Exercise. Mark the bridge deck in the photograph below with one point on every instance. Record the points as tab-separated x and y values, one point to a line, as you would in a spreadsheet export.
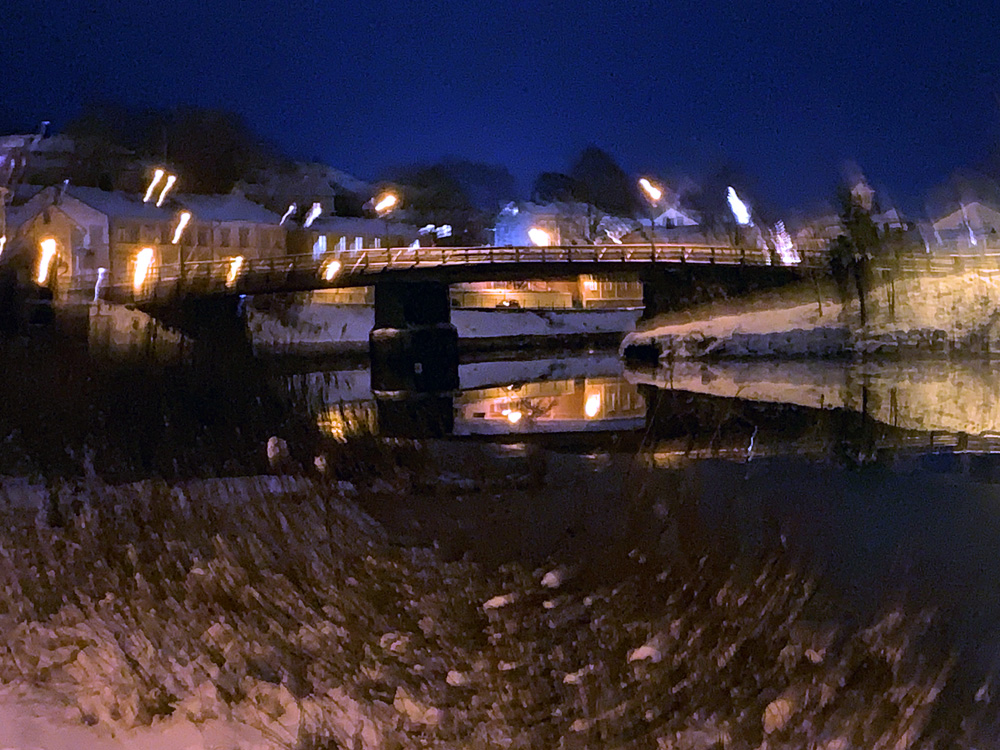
289	273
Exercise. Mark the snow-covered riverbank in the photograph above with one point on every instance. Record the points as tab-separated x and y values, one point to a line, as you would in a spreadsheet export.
261	614
908	315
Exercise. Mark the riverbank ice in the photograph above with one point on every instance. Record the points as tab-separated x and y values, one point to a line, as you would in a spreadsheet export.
906	315
805	330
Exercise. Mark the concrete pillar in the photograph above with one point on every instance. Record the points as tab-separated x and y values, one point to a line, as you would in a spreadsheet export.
413	346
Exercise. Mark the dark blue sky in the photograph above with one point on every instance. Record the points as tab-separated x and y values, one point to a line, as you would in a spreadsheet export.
787	90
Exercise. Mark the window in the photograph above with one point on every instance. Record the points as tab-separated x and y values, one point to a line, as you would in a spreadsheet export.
319	246
377	242
203	237
342	245
132	233
359	242
244	237
224	237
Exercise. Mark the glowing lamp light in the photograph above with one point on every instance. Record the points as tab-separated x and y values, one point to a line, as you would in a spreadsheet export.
784	246
386	202
652	192
157	176
315	210
235	266
3	241
166	189
102	274
513	416
182	222
143	265
593	405
539	237
741	211
331	269
45	260
291	210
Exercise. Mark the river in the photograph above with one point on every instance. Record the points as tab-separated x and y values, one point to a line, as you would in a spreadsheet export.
561	553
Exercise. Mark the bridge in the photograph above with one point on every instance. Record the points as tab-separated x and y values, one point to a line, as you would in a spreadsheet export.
364	267
413	345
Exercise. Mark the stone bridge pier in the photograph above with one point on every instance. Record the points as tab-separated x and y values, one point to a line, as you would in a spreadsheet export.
413	346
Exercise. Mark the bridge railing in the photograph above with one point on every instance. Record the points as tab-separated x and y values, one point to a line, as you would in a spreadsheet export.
359	267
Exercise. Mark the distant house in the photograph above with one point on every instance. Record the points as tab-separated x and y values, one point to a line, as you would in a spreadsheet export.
331	235
675	216
100	234
563	223
970	225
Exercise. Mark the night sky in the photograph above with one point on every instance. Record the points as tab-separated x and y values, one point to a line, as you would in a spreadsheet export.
787	91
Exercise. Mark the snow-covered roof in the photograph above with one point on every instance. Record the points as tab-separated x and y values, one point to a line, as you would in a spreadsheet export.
976	215
358	226
116	204
224	208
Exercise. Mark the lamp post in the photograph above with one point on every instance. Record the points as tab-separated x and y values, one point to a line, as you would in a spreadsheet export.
384	205
653	195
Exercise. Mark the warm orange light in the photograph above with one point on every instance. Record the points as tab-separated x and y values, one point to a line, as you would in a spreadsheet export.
235	266
157	176
386	202
593	405
182	222
652	192
331	269
539	237
48	254
166	189
514	416
143	265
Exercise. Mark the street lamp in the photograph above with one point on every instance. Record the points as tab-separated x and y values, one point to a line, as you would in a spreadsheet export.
741	211
653	193
48	254
384	205
143	266
539	237
158	175
331	269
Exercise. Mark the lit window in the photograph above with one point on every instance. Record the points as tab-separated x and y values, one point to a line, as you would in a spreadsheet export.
319	246
359	242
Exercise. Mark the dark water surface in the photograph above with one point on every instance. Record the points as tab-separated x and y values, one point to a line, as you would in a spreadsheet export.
730	555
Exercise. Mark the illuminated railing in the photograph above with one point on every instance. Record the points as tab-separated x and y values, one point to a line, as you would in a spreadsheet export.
358	267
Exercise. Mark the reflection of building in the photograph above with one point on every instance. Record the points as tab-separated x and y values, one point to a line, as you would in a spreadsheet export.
586	291
580	405
100	234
